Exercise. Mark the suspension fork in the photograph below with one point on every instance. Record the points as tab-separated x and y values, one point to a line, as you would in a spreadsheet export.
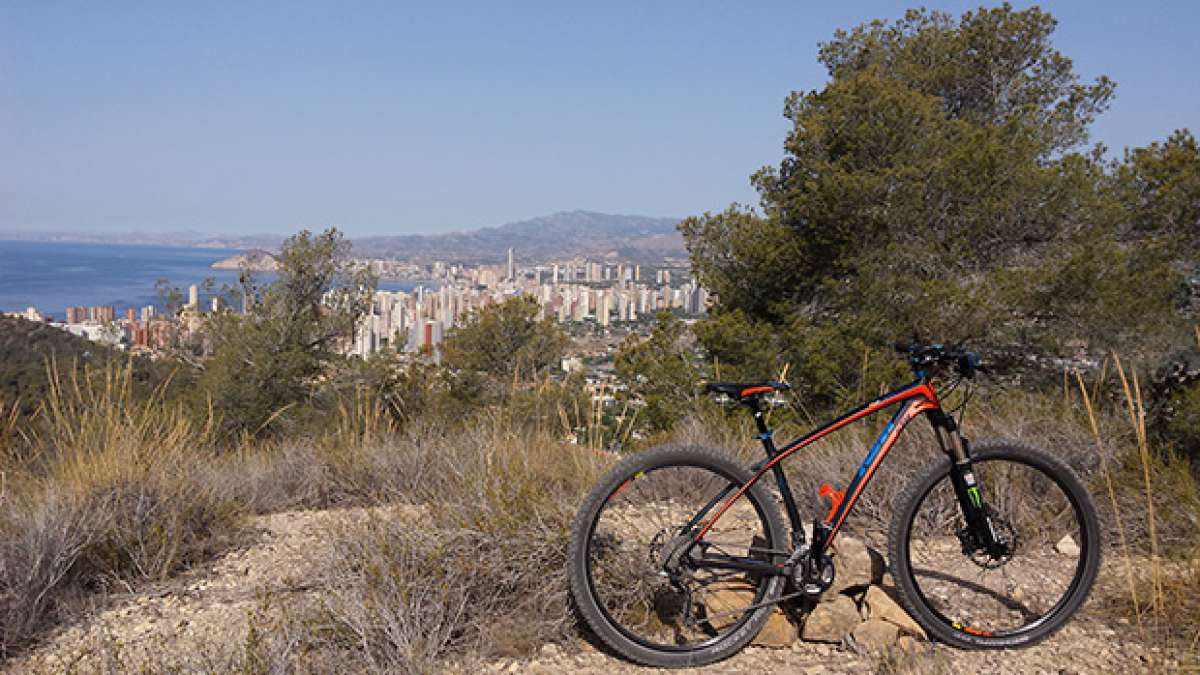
965	482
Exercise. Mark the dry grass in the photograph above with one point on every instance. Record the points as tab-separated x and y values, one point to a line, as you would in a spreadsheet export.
477	572
1153	504
114	491
111	491
117	491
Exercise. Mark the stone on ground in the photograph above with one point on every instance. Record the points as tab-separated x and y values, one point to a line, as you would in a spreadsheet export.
875	635
877	604
855	565
779	631
831	620
730	596
1067	546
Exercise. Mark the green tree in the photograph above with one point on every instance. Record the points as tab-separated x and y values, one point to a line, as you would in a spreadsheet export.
938	183
267	365
499	346
661	372
1159	188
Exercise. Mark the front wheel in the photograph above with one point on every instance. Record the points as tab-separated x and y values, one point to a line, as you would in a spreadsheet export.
1024	589
637	562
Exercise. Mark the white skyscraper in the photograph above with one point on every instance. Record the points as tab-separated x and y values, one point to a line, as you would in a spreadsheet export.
604	308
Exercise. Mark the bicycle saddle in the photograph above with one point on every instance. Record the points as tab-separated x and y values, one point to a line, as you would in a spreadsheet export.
741	390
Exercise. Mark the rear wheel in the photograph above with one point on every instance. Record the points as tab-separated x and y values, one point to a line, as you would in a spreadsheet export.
632	565
973	598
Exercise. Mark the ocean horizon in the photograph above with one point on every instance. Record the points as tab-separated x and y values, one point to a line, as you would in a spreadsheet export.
51	276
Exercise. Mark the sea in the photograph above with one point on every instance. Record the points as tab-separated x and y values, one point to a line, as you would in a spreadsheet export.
52	276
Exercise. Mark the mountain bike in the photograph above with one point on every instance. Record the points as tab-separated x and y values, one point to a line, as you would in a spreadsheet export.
679	554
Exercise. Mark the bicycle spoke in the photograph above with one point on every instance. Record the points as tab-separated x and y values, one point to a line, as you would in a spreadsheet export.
637	557
1032	515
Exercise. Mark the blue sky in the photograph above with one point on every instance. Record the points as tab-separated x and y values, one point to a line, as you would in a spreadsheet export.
393	117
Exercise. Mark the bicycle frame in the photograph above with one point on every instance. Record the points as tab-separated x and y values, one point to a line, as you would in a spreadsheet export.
917	397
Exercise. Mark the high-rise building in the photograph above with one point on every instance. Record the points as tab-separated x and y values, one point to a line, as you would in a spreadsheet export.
603	308
101	313
194	296
512	266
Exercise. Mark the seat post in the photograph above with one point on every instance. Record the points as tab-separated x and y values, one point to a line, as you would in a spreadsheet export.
760	420
785	491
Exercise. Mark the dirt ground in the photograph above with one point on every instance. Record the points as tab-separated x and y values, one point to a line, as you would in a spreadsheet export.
200	617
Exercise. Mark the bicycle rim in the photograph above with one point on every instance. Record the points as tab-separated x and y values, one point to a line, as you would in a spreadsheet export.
639	553
1037	515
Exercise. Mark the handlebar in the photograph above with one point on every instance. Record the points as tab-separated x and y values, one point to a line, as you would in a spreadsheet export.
924	356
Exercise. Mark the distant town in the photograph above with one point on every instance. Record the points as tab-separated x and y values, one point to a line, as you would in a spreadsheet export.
598	302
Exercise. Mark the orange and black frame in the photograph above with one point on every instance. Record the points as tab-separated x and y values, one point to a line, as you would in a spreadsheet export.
816	574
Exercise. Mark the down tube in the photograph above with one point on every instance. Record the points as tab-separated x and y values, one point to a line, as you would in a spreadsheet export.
883	445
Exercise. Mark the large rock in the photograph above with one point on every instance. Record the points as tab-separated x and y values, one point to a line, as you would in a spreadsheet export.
877	604
779	631
831	620
726	598
855	565
875	635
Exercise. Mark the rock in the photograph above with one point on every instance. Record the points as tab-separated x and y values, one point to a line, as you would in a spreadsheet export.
877	604
855	564
875	635
733	595
830	621
778	633
1067	546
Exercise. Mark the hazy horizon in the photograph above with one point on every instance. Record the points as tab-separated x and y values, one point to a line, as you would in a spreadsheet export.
118	235
385	120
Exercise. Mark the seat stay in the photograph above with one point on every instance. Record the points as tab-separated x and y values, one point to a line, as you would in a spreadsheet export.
696	519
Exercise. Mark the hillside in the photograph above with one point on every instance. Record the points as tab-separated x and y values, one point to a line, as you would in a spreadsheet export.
28	347
561	235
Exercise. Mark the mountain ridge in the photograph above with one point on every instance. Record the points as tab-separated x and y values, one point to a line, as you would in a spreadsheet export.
560	235
565	234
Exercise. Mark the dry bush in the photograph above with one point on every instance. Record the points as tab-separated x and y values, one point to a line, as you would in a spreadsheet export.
113	489
1152	500
477	571
41	540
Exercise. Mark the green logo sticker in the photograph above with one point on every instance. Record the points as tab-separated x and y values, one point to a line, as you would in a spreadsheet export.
973	493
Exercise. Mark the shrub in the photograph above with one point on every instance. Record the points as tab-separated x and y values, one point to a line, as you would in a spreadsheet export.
113	489
466	573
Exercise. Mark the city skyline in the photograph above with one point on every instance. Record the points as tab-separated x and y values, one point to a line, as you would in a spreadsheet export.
604	294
